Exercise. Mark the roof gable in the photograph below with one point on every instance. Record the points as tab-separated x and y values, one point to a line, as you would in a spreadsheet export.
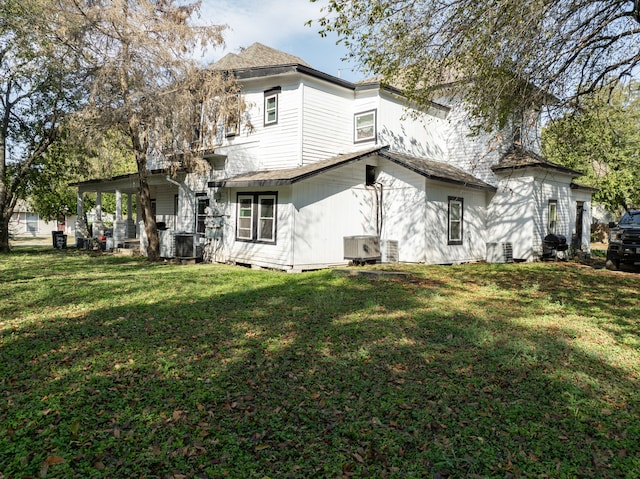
255	56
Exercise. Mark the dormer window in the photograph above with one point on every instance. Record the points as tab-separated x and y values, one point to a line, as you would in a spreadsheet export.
364	126
271	106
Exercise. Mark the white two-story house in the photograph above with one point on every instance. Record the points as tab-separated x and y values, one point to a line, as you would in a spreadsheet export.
327	164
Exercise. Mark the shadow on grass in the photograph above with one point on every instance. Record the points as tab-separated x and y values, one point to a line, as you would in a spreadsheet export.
215	372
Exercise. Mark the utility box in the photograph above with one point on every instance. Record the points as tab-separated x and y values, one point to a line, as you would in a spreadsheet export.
187	245
363	248
499	253
390	251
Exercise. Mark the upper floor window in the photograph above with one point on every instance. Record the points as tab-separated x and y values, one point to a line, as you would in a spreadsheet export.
271	106
364	126
455	220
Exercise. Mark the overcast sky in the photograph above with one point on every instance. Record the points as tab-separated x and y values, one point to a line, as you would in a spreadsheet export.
278	24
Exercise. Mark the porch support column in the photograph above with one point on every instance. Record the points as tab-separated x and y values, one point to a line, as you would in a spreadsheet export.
131	226
118	205
80	225
119	225
98	226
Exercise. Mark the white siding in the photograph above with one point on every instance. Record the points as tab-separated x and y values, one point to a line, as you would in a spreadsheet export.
315	215
403	218
472	153
18	225
511	214
280	143
328	208
473	247
327	121
585	197
164	196
422	136
552	188
519	212
265	147
276	255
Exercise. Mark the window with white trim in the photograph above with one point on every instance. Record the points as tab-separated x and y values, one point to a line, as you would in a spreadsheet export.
364	126
455	218
256	217
553	216
271	106
244	230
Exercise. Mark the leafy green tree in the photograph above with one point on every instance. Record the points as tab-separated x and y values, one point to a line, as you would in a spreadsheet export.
602	139
40	84
49	191
567	48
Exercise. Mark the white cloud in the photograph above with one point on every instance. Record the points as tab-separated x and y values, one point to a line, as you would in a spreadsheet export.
270	22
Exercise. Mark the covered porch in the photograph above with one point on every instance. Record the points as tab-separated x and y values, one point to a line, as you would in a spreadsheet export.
128	228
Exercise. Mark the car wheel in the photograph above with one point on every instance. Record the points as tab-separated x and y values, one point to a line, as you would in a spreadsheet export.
613	264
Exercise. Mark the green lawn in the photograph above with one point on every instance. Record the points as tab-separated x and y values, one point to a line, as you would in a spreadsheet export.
114	367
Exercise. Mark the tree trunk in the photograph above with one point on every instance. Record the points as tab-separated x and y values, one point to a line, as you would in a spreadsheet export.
4	194
144	196
4	230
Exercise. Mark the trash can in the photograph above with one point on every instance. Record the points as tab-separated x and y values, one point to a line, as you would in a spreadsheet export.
58	239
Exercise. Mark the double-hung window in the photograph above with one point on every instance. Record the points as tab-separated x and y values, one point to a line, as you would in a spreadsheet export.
364	126
455	217
553	216
256	217
271	106
201	214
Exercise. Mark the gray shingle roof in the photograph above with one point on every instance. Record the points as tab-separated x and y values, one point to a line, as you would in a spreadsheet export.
434	170
517	158
257	55
292	175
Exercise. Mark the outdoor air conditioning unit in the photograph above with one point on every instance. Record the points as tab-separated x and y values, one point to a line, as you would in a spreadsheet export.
499	253
362	248
187	245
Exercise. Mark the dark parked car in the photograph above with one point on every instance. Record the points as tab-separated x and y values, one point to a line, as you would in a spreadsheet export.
624	240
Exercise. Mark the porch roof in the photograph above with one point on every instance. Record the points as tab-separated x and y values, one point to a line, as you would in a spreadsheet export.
587	188
127	183
518	158
433	170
